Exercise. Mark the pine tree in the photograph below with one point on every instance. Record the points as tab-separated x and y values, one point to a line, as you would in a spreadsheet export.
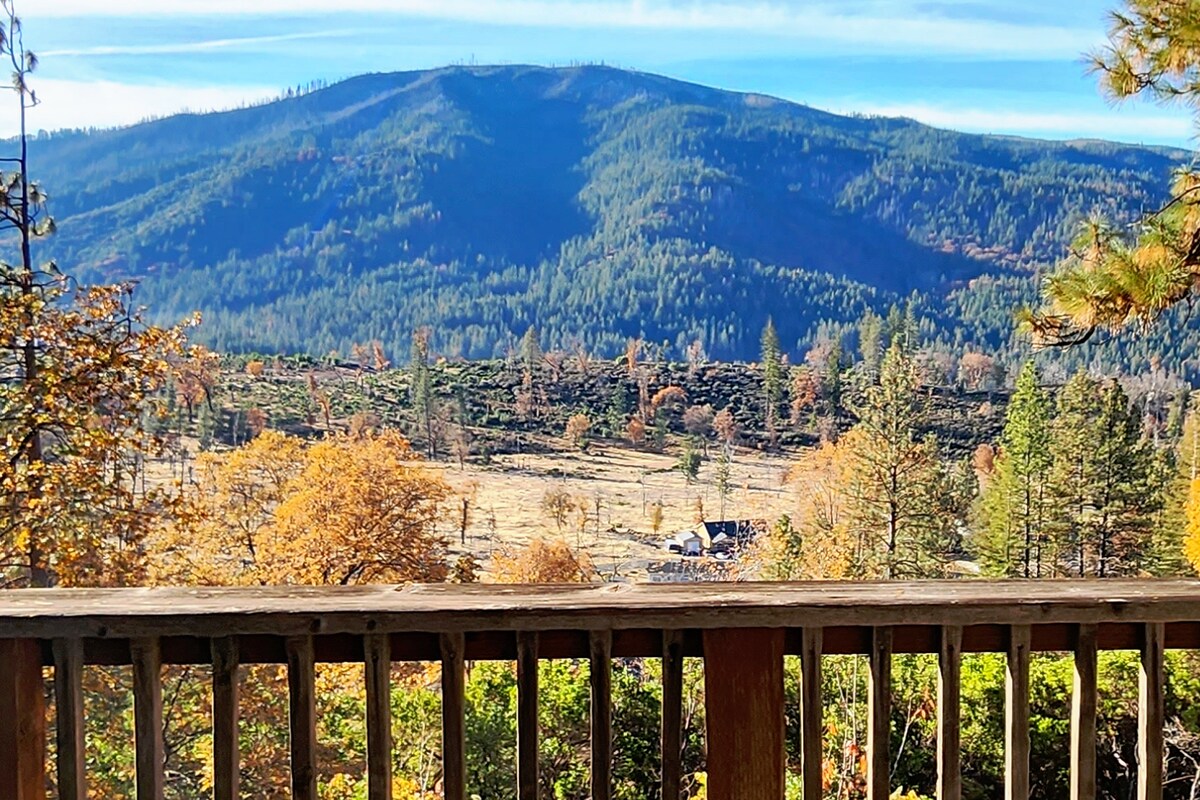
1169	526
1176	470
1114	279
1074	434
531	350
772	371
894	504
82	380
833	384
1125	501
1188	448
870	344
1014	507
1106	500
688	463
421	388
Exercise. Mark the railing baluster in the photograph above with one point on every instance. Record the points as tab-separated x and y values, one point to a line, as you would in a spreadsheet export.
454	704
1083	716
1016	715
527	715
1151	714
225	713
23	726
672	715
147	717
879	712
812	709
302	714
744	713
377	654
69	734
601	718
949	691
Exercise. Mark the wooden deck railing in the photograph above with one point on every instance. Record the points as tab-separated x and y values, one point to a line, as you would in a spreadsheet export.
741	630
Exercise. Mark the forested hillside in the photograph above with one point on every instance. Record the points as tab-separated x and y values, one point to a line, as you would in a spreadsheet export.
592	203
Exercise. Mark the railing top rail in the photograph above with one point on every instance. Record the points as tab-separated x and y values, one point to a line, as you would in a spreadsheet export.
296	610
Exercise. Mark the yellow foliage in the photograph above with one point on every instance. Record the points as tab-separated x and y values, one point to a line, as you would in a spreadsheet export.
343	510
543	561
1191	541
577	430
825	546
360	512
85	378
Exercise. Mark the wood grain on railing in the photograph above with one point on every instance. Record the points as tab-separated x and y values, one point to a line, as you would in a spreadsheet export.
744	713
302	713
742	631
22	735
600	674
226	766
812	709
949	691
527	716
69	731
454	704
377	659
1151	714
1016	715
147	717
879	715
1083	716
672	714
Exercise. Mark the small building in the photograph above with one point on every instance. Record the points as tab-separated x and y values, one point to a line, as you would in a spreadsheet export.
685	543
728	537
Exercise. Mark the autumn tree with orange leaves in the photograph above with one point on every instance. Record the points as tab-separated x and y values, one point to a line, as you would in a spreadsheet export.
80	381
543	561
343	510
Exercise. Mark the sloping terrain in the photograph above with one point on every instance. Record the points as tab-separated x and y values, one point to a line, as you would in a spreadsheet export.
593	203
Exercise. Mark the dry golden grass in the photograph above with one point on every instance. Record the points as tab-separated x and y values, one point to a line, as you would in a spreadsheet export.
506	500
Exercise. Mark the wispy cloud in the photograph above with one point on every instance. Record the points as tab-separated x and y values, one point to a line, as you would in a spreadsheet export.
102	104
890	25
179	48
1139	127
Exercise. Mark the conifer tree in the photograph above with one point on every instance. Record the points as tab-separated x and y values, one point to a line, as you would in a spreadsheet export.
870	344
81	380
1074	434
1014	507
421	387
1125	500
833	386
722	474
772	370
1106	500
893	503
1176	470
1188	449
1116	279
1169	525
531	350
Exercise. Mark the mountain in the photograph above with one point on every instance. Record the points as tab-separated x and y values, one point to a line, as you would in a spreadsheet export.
593	203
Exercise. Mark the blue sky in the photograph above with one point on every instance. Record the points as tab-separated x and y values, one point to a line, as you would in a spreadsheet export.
998	66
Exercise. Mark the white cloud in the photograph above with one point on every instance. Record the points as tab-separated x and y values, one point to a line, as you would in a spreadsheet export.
891	27
1137	127
77	104
193	47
